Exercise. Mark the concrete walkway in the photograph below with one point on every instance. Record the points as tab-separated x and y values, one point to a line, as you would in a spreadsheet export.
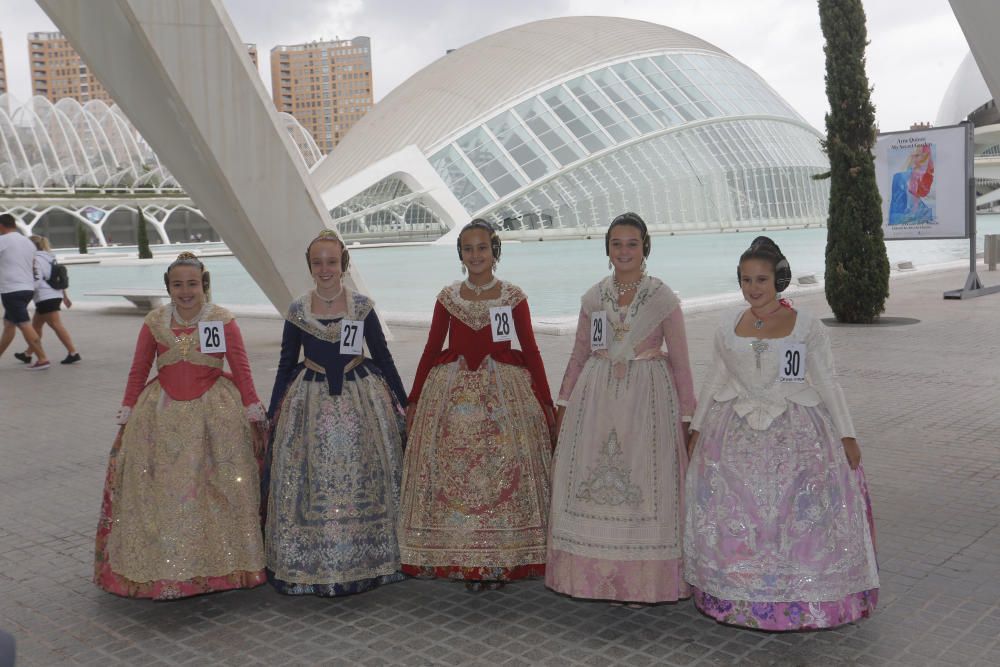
925	397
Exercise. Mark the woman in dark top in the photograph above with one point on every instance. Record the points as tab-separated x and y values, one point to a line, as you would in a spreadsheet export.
335	460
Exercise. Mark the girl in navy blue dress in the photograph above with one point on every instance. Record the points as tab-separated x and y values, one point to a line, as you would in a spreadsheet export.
335	462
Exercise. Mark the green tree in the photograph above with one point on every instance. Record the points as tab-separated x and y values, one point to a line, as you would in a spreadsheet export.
142	236
81	237
857	267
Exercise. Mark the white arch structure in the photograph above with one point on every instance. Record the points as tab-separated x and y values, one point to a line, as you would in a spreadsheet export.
48	148
180	72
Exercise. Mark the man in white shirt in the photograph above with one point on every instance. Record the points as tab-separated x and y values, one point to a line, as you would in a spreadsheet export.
17	287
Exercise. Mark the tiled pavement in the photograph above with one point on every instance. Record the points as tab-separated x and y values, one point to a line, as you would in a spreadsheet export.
925	399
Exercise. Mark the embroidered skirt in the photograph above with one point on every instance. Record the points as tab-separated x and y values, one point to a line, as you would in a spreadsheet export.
334	495
179	515
616	522
476	476
779	531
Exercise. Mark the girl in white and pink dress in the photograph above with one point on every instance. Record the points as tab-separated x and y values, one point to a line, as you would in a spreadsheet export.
779	532
617	520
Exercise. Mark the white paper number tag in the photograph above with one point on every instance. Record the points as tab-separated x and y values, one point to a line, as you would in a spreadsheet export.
501	324
599	330
212	335
792	362
352	337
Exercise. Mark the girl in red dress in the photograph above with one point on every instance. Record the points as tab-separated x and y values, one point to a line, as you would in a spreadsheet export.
476	469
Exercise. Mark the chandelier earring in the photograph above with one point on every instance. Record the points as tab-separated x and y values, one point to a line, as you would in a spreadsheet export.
610	265
463	268
643	267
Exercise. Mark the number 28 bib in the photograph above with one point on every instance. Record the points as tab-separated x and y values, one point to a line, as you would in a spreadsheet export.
501	324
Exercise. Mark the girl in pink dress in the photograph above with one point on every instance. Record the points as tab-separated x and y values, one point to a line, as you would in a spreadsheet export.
179	515
779	532
618	473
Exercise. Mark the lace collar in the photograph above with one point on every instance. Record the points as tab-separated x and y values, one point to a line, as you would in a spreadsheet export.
803	322
476	314
300	314
158	320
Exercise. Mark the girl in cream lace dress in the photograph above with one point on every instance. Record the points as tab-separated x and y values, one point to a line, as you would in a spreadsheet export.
618	475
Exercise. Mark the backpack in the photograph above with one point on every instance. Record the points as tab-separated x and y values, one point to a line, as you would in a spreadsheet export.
59	278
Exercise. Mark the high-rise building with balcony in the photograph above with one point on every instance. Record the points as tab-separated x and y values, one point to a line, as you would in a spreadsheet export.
57	71
325	85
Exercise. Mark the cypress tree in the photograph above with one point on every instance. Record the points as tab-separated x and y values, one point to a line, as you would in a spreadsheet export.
857	267
81	237
142	237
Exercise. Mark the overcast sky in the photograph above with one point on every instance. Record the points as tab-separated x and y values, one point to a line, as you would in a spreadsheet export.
916	45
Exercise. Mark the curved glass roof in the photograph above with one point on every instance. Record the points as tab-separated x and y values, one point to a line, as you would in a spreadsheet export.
66	146
588	114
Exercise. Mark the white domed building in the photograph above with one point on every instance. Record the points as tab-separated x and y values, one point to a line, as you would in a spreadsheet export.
555	127
968	97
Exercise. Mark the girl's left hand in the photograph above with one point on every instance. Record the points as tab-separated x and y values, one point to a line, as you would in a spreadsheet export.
852	451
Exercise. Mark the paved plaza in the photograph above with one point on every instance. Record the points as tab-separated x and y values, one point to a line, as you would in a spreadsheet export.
924	389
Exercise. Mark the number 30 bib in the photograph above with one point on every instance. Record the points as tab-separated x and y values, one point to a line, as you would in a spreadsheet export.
792	362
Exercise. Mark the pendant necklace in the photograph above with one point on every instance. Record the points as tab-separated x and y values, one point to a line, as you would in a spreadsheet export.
333	298
479	289
759	321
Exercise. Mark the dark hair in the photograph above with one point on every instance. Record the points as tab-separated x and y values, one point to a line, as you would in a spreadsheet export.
189	259
330	235
767	250
479	223
8	221
632	220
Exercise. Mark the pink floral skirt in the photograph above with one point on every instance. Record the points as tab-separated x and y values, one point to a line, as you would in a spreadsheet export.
647	581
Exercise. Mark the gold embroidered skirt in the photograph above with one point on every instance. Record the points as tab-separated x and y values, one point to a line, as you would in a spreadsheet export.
180	513
476	475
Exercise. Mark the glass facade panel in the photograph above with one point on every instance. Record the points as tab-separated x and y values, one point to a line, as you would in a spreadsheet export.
623	97
543	124
520	145
721	176
569	111
647	96
668	89
490	162
462	181
601	108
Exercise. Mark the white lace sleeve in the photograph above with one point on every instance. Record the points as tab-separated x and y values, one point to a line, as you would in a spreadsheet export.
717	379
822	376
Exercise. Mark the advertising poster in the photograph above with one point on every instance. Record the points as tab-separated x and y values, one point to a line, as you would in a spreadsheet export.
922	178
